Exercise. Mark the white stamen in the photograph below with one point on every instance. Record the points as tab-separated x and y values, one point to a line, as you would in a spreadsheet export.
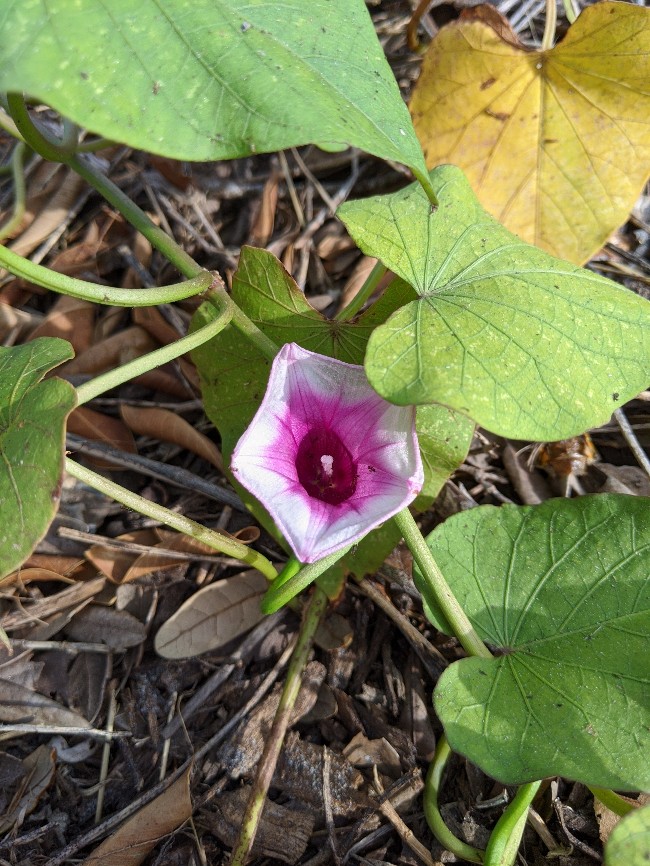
327	461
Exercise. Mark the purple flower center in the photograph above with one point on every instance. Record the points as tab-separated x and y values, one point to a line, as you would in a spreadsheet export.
325	467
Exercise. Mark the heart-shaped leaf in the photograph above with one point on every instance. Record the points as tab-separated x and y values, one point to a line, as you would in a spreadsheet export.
629	842
562	592
212	79
234	376
32	421
555	143
527	345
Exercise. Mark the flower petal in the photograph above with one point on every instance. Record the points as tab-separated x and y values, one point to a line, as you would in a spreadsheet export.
307	394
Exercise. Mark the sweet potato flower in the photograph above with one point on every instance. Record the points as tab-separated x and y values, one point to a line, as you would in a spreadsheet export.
327	456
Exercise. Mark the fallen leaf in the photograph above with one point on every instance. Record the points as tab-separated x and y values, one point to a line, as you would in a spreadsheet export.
122	566
72	319
153	321
138	836
62	195
110	352
101	428
170	427
99	624
554	143
213	616
20	704
39	768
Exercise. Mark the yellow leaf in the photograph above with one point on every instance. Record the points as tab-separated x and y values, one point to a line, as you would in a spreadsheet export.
556	144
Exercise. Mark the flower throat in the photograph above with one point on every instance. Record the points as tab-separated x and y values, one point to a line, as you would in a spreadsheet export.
325	467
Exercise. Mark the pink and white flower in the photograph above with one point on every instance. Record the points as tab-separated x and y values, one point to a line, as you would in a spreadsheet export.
326	455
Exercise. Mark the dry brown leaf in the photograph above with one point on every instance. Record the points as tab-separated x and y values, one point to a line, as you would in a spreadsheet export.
72	319
74	595
65	189
14	323
138	836
99	624
83	255
63	565
363	752
607	819
554	143
141	250
20	704
39	770
262	227
213	616
153	321
162	379
118	348
170	427
122	566
87	679
101	428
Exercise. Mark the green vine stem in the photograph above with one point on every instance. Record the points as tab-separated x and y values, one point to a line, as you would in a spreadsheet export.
612	801
294	582
506	836
425	181
550	25
158	238
569	11
18	176
372	281
109	295
247	327
57	152
138	366
223	543
268	761
36	138
437	587
432	785
92	145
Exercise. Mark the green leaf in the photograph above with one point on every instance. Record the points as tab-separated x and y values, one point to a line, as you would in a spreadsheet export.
234	376
211	79
629	841
528	346
32	422
562	591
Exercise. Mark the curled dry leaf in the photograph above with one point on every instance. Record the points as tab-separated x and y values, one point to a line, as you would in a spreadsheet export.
137	837
101	428
122	566
213	616
170	427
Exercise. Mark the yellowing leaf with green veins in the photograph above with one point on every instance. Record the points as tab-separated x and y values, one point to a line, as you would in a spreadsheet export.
556	144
